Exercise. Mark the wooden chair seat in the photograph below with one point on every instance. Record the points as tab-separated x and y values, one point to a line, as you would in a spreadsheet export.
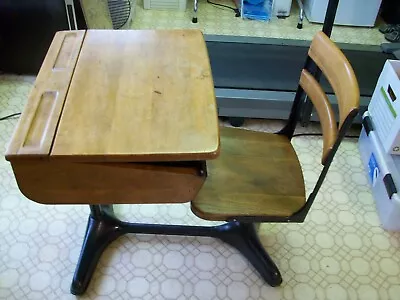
256	175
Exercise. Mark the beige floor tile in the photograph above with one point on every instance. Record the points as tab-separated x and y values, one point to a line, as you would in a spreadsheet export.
220	21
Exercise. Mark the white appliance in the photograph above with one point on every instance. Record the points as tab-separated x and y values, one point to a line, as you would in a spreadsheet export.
350	12
165	4
281	8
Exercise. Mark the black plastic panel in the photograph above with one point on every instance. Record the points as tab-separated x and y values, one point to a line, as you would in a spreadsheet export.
27	28
277	67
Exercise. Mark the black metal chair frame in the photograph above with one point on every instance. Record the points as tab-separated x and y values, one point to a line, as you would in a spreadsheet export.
104	227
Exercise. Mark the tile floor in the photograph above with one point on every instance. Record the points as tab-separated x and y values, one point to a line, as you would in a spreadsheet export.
213	20
340	252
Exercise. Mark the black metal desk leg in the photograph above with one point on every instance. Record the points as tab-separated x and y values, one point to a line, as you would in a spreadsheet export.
102	229
244	238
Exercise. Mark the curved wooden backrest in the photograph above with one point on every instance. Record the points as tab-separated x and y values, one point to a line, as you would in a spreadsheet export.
324	110
338	71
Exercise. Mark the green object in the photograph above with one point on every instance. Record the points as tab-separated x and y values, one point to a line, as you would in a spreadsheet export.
388	102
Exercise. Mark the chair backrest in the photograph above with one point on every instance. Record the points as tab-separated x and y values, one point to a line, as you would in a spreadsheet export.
338	71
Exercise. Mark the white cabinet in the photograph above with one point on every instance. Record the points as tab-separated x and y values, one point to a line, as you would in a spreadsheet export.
165	4
281	8
350	12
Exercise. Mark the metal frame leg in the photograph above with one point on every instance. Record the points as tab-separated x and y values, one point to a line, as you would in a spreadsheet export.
103	228
195	8
301	14
243	236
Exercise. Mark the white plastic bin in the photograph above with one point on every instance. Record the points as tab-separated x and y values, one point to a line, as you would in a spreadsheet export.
384	107
383	175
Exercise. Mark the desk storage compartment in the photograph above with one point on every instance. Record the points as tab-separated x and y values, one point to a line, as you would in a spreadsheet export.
93	132
59	182
383	176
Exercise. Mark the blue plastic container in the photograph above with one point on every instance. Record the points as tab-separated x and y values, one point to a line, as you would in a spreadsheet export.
257	9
